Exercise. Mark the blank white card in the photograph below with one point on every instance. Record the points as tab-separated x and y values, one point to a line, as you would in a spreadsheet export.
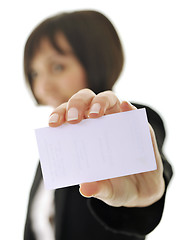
112	146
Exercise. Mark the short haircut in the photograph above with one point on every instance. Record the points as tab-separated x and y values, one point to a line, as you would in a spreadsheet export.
93	39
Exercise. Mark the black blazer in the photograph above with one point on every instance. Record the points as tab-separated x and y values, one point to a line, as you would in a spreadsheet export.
79	218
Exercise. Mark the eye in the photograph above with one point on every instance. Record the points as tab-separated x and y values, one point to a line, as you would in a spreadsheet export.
58	67
33	75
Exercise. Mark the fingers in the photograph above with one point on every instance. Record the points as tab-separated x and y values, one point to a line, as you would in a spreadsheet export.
57	117
74	110
85	104
78	105
127	106
108	102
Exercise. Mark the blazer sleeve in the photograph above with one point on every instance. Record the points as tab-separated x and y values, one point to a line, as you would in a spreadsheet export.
137	221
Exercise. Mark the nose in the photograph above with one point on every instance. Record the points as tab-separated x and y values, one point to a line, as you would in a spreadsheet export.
43	86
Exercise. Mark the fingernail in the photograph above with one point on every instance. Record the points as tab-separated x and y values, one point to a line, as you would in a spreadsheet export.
72	114
95	108
53	118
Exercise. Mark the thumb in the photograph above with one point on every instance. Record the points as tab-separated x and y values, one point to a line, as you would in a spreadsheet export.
100	189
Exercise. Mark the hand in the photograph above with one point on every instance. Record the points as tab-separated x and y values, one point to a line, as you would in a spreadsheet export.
138	190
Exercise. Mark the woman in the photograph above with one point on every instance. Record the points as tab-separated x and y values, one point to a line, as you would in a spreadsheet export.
71	62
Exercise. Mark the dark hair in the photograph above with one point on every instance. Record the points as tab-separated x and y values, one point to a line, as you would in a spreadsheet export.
94	42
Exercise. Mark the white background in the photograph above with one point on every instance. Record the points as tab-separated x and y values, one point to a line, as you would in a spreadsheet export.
148	33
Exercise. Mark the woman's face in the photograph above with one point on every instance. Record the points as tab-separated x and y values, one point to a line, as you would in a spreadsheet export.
56	77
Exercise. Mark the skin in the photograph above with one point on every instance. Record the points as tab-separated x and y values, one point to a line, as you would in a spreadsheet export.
60	81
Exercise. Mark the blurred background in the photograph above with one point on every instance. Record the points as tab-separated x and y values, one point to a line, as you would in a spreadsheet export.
148	33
